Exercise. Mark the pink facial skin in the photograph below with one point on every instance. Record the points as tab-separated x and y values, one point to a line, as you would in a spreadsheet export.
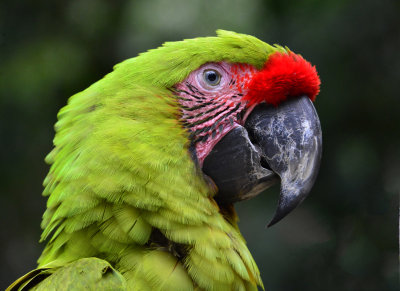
211	111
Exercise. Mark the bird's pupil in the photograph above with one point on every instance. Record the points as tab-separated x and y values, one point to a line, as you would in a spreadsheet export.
212	76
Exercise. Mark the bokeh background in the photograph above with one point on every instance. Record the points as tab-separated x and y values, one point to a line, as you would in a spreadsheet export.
343	237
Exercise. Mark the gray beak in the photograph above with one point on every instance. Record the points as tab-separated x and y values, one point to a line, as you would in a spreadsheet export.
276	142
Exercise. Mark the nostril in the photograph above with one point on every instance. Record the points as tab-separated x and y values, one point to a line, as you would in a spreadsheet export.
263	161
265	164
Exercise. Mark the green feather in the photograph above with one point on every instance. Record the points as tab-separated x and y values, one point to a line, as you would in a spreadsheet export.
84	274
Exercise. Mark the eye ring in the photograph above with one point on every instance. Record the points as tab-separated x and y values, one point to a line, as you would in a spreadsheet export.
212	77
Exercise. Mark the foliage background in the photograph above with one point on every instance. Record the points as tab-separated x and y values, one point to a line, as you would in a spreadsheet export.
344	237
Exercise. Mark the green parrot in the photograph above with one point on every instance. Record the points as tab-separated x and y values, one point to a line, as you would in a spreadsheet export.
149	161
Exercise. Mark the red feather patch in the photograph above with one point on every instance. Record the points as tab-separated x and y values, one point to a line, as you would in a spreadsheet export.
283	76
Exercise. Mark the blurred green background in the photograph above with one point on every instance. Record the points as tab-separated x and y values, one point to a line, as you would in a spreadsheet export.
343	237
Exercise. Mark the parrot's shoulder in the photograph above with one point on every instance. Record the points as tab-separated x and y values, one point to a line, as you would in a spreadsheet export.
82	274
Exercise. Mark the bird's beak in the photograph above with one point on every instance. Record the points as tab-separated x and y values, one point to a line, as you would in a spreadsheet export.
276	143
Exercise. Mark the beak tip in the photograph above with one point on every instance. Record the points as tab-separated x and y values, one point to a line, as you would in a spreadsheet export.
287	203
272	222
280	214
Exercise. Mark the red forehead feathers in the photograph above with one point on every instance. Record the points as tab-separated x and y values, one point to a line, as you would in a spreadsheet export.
283	75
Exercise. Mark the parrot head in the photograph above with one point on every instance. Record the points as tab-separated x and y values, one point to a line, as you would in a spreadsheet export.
253	126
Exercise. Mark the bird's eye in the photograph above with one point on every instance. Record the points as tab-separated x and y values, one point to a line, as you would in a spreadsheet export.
212	77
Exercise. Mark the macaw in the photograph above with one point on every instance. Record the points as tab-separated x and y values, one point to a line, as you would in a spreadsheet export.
148	162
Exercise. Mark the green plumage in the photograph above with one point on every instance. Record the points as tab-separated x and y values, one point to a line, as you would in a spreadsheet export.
123	188
87	274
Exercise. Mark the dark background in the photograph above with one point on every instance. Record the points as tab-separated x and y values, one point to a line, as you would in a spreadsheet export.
343	237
